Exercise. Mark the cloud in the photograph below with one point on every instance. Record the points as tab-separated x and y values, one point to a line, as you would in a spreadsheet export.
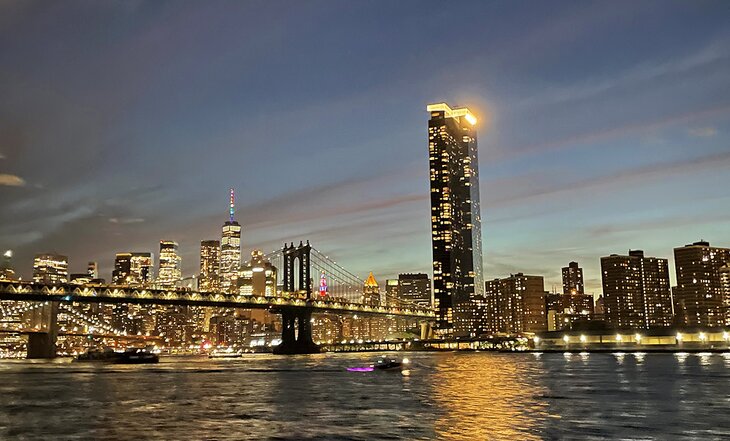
623	178
132	220
703	132
11	180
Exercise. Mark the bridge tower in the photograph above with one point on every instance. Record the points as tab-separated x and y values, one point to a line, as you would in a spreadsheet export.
296	330
293	257
42	343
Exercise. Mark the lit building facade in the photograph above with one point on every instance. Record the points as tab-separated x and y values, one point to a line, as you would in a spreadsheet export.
169	273
699	300
92	269
258	276
230	251
573	279
133	269
122	268
210	261
514	305
392	292
371	291
725	289
6	266
455	219
636	292
415	288
50	268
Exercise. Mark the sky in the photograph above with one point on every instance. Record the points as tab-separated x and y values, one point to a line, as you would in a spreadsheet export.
603	127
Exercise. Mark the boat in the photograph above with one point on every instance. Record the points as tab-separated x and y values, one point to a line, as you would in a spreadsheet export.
389	364
228	353
104	356
382	364
129	356
137	356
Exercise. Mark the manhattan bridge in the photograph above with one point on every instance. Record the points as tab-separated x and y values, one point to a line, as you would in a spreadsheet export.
339	293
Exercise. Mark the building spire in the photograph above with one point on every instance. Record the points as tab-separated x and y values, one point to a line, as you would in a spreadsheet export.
233	203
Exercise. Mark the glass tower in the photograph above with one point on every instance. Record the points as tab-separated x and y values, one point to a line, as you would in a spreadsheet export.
230	252
455	219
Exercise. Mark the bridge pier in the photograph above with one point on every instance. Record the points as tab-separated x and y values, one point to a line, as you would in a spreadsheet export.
42	344
296	333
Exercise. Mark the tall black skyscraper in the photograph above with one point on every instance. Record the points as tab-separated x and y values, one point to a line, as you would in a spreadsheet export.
455	219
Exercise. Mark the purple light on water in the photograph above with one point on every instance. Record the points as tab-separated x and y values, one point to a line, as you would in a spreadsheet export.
361	369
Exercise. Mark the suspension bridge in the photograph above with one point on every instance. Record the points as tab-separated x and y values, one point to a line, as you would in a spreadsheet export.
296	301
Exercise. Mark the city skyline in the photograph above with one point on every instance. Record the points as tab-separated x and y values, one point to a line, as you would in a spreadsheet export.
574	187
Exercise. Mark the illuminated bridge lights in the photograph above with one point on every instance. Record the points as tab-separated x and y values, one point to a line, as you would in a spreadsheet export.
98	294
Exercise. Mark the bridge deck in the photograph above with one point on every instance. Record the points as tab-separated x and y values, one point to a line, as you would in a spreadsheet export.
27	291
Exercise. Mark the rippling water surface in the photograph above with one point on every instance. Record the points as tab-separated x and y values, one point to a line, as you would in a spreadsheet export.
452	396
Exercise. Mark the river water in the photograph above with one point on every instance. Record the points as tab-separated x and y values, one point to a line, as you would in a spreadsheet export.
450	396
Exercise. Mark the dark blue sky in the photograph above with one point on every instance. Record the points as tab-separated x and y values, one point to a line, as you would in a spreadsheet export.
603	126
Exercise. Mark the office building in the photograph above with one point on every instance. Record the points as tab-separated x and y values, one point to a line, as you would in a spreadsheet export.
50	268
122	268
415	288
169	273
514	305
6	266
699	300
636	291
132	269
455	219
371	291
392	292
230	251
258	276
92	269
210	261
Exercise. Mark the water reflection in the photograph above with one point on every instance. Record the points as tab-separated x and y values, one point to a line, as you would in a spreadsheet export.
450	396
492	397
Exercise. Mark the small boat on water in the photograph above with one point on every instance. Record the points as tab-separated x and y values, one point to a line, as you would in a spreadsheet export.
138	356
108	355
228	353
382	364
389	364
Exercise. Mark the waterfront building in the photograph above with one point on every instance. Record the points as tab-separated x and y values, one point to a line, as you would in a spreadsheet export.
636	291
455	219
50	268
230	262
132	269
257	276
210	261
169	273
699	300
371	291
725	290
514	305
6	266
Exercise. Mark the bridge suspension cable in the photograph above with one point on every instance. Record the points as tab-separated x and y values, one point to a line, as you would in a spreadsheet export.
340	282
